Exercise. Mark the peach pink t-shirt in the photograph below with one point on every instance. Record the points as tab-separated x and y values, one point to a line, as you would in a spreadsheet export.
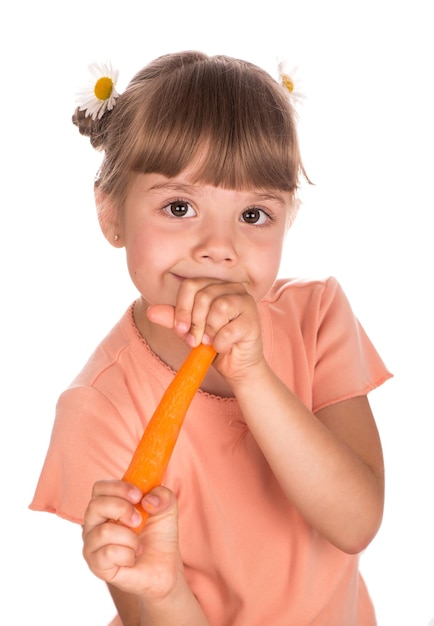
249	557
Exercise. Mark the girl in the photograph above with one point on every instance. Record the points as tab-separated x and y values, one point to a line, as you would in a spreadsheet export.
276	483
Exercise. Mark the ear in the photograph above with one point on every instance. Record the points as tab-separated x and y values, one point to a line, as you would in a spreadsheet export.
109	218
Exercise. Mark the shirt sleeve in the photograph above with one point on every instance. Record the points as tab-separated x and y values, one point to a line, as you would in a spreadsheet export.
346	362
90	441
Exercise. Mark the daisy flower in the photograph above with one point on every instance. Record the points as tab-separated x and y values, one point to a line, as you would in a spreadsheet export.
289	81
100	94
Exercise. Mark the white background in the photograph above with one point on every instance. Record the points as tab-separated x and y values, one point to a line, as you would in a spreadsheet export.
367	137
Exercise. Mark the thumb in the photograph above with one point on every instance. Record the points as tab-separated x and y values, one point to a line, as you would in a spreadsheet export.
162	314
160	500
162	506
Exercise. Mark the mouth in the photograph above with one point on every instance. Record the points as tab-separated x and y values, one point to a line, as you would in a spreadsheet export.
178	277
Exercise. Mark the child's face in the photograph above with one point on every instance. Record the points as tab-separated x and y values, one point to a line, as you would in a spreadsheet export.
174	229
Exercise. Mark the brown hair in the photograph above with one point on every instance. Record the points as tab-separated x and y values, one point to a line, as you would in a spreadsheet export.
227	115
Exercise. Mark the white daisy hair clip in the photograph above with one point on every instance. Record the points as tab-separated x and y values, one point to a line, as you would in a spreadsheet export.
290	82
100	94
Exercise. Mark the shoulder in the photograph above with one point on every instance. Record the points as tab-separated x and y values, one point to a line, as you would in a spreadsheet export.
303	296
301	288
122	377
117	350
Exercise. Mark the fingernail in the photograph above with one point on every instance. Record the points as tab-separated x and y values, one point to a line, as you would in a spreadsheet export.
136	518
206	340
136	495
191	340
151	500
181	327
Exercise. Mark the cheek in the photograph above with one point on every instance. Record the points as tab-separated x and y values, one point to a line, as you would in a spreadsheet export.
272	255
266	268
141	251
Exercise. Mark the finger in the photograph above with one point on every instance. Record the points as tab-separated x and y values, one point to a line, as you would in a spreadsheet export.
222	312
109	534
162	314
106	561
104	509
199	319
119	488
200	296
113	500
184	304
109	547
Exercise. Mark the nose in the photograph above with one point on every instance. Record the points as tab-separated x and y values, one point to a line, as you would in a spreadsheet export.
215	244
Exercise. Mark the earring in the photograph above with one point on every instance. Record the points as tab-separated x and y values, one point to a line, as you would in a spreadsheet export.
116	237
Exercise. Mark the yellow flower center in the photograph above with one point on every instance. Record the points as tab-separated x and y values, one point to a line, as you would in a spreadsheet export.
103	88
287	83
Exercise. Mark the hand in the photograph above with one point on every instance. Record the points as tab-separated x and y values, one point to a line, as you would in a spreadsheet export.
219	313
147	564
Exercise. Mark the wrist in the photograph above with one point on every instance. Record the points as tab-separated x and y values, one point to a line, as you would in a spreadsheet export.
251	378
178	605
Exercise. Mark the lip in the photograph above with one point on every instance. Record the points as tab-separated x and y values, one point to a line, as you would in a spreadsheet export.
211	278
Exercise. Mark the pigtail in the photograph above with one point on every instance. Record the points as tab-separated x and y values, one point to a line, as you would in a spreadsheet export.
95	129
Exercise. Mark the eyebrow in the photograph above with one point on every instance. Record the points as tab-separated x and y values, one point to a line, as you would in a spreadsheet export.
274	197
176	185
252	196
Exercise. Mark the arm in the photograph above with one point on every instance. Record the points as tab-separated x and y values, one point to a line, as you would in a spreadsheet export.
144	572
330	465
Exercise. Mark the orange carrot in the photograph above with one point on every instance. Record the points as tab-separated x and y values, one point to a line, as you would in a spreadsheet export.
153	452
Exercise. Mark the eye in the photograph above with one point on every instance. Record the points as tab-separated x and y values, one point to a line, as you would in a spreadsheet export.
180	208
255	216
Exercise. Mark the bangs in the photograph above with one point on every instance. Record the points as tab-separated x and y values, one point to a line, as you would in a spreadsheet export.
231	119
225	118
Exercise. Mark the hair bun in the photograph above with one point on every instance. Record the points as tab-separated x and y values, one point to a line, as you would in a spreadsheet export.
83	123
94	129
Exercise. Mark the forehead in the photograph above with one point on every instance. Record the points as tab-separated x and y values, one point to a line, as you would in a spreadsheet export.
185	184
